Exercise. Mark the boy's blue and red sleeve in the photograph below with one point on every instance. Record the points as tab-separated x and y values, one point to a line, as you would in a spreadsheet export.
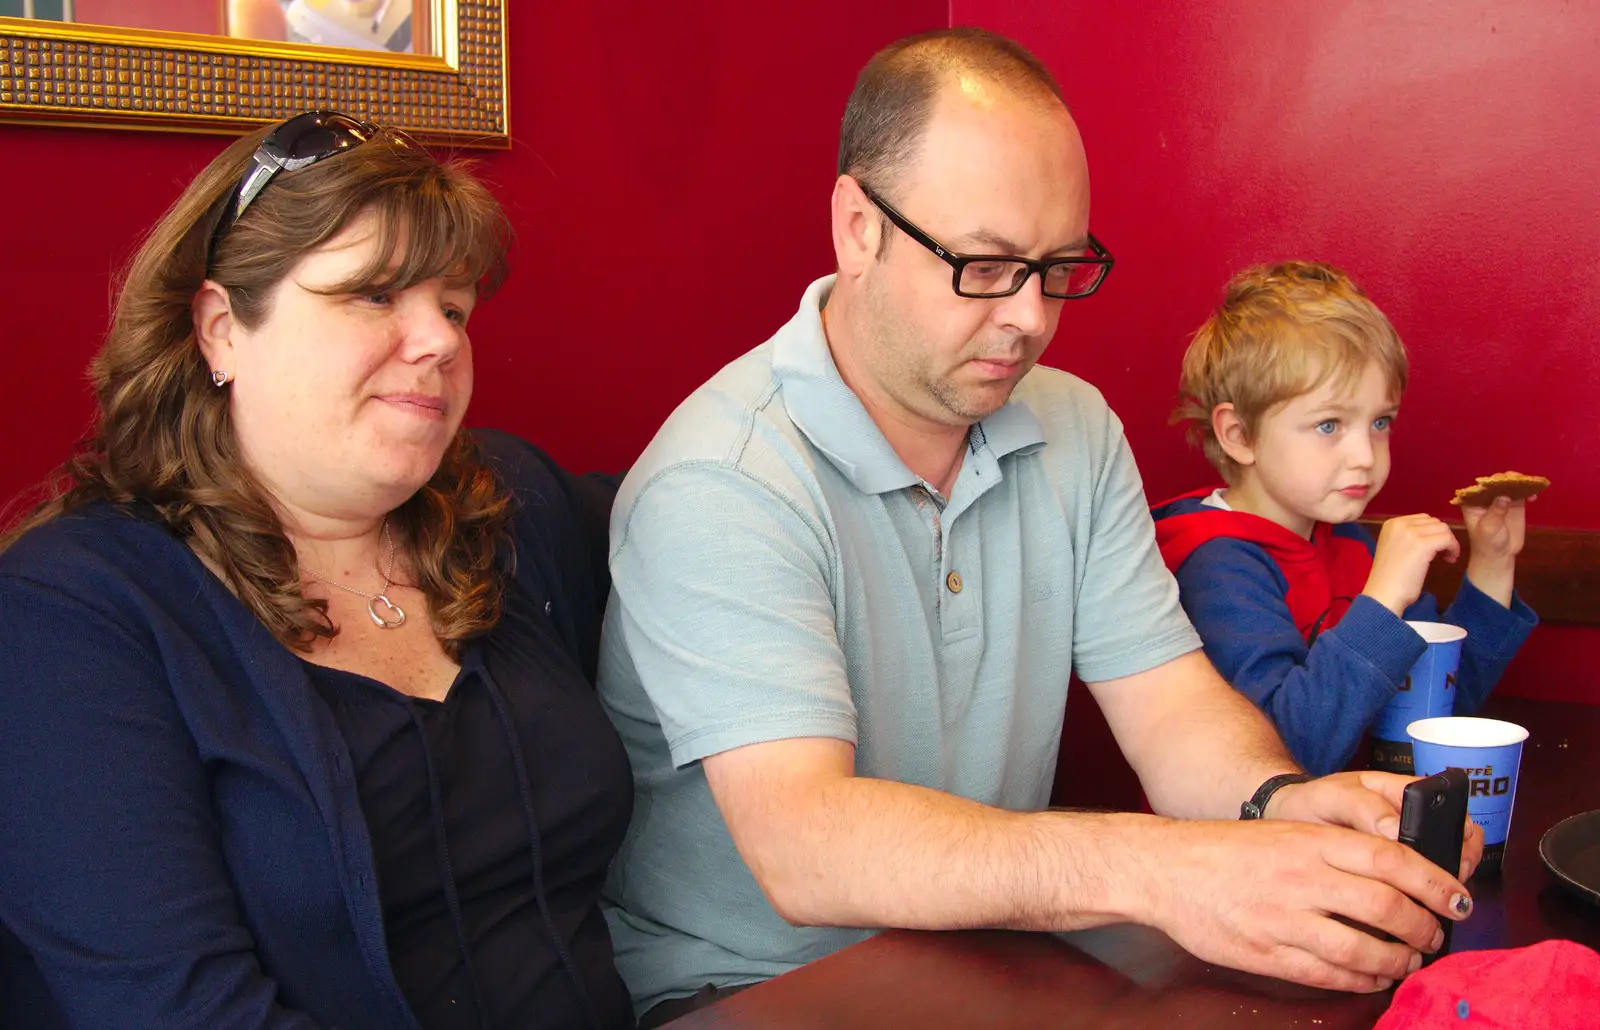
1323	697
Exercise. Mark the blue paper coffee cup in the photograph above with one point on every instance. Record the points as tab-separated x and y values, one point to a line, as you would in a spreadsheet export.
1428	690
1490	752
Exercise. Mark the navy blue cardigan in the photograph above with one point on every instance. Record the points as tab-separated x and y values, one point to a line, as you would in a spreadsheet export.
158	744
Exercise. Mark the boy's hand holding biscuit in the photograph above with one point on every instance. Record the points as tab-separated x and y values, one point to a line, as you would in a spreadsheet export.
1406	547
1495	511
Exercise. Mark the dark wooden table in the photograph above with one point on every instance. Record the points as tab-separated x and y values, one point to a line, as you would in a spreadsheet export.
1128	976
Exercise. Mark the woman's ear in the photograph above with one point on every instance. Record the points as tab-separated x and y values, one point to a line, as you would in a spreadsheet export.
213	327
1231	434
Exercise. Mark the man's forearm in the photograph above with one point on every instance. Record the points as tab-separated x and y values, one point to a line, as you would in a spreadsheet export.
866	852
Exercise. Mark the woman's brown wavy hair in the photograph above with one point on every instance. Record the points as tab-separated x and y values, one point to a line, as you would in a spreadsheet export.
163	439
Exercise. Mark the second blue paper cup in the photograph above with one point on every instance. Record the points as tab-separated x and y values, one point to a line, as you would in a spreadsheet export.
1490	751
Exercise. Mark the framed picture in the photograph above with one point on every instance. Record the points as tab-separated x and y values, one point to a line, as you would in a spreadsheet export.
435	68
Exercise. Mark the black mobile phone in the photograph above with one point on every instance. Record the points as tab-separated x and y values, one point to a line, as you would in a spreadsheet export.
1433	821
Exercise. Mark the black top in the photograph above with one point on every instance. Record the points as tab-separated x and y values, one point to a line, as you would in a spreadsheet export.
441	792
512	787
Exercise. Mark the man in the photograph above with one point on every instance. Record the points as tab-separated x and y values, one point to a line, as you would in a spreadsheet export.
854	572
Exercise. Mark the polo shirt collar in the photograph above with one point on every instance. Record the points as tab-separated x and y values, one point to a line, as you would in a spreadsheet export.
833	418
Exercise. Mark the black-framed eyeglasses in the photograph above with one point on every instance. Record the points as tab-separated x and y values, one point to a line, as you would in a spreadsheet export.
1001	275
297	143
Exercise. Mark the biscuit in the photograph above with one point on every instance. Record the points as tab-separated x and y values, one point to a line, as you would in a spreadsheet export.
1514	485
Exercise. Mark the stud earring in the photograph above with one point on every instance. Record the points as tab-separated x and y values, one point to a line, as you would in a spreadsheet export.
219	377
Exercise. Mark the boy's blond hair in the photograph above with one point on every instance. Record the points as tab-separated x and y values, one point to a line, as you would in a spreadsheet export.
1281	331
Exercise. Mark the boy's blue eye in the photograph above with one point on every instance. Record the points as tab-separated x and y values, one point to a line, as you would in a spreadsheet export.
1383	423
1329	427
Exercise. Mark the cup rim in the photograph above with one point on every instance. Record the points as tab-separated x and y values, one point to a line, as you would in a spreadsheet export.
1504	734
1437	632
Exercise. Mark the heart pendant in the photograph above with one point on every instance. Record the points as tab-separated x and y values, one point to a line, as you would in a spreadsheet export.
391	617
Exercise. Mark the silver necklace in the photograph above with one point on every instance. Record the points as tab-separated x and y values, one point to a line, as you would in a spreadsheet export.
391	616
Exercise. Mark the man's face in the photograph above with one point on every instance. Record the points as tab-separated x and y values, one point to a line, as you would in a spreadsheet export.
995	175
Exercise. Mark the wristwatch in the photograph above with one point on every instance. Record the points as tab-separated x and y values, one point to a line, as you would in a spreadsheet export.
1257	805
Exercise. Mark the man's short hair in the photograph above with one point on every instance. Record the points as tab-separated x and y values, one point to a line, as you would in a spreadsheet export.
888	111
1281	331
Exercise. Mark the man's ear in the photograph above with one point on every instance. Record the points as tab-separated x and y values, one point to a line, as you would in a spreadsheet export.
213	327
1231	434
857	228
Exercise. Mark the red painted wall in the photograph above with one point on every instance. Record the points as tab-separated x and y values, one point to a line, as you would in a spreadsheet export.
170	15
669	187
1445	152
672	176
670	183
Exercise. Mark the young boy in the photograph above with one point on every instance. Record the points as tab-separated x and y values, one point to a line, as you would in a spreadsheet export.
1292	387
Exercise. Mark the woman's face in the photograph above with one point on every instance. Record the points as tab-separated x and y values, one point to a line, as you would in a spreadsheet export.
344	405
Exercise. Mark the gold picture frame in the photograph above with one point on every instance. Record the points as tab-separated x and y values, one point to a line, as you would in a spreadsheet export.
90	75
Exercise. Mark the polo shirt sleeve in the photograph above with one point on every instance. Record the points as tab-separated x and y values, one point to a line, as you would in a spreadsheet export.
1128	619
726	610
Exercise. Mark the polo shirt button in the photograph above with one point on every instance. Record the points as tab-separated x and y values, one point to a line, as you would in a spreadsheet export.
953	581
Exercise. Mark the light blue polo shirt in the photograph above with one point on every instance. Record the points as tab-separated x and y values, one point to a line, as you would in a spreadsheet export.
778	572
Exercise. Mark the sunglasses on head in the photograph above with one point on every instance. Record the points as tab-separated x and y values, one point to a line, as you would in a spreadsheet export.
298	143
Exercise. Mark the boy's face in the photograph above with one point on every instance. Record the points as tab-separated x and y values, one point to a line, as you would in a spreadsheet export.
1322	456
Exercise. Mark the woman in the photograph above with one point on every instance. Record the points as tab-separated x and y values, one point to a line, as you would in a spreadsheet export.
298	727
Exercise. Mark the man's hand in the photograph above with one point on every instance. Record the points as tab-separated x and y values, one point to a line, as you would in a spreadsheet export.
1406	547
1263	896
1365	801
1496	535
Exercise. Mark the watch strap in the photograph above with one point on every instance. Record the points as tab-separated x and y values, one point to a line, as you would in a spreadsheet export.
1256	807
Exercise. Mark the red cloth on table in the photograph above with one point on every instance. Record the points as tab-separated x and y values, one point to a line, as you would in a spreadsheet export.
1552	985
